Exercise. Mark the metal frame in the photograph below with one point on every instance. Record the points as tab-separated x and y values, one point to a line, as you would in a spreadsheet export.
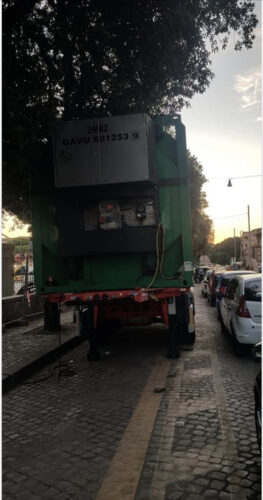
122	303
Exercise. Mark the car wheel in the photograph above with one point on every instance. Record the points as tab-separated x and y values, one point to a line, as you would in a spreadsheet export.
240	349
258	422
223	328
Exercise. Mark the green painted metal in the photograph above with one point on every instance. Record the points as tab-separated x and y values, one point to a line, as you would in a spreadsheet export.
120	271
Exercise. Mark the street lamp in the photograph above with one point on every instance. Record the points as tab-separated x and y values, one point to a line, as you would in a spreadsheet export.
249	239
229	184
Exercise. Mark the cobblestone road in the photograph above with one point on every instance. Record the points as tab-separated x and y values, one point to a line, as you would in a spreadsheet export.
105	434
22	344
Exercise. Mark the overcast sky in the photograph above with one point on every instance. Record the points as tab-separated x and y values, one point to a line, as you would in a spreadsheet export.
223	128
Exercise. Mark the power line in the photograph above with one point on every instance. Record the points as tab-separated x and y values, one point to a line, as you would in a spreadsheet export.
227	216
240	177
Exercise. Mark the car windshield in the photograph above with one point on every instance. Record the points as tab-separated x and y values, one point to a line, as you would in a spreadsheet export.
253	291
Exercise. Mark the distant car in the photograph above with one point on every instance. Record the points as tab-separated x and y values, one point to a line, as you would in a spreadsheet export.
240	310
204	283
199	273
223	279
256	352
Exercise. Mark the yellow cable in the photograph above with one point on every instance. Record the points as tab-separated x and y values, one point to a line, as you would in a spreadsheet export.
159	265
157	257
162	259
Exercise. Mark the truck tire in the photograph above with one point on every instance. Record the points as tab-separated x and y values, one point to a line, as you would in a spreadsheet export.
88	332
51	316
182	307
174	333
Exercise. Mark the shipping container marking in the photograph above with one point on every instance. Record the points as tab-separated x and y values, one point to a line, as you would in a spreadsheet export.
134	136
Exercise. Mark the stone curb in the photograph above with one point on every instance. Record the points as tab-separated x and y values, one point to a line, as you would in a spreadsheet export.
10	381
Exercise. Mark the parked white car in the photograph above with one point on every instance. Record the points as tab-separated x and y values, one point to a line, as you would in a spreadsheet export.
240	309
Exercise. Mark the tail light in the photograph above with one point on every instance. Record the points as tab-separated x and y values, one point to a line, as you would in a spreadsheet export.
242	309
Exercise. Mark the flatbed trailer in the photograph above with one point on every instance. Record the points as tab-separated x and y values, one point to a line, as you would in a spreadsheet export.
111	225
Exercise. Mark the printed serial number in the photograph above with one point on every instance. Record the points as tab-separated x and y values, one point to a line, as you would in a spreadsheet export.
110	137
134	136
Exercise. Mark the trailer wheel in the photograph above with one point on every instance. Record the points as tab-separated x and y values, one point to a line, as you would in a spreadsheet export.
174	333
88	331
51	316
182	306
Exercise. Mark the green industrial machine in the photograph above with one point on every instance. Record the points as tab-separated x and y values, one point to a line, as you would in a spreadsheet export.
111	217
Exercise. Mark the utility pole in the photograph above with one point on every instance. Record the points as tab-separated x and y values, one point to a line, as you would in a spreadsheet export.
241	246
235	246
249	239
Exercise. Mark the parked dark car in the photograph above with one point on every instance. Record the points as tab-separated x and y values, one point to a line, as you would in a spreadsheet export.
199	273
212	286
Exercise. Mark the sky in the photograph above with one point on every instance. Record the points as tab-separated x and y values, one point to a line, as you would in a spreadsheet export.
223	131
223	128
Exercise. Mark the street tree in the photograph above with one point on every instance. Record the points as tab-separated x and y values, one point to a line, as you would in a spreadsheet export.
202	226
222	252
72	60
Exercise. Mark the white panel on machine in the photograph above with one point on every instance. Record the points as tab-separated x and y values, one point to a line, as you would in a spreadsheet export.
108	150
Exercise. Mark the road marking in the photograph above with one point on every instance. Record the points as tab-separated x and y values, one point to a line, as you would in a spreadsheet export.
122	477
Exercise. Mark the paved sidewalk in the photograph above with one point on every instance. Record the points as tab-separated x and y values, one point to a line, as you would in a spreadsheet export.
136	426
25	348
204	441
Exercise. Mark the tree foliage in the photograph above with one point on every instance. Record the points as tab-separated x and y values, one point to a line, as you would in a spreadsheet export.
222	252
94	57
202	226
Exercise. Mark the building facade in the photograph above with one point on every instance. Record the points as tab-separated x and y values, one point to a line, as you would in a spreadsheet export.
256	247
